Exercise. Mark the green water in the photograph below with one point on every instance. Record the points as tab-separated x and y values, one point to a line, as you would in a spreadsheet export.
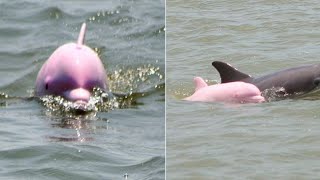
126	142
276	140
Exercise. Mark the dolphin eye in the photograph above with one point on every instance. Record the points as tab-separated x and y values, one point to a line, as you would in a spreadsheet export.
47	86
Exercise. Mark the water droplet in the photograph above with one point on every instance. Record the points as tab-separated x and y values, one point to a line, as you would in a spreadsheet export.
126	176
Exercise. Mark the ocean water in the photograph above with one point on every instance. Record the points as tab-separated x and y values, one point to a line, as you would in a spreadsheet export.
274	140
120	143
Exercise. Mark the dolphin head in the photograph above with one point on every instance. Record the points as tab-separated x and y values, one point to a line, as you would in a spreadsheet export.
72	71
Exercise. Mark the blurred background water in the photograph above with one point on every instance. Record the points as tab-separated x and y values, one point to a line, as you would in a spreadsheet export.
125	143
276	140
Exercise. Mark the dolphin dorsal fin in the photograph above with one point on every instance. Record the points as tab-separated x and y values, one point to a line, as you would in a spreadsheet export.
199	83
81	35
229	73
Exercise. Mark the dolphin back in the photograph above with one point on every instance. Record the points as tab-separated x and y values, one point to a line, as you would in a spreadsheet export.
229	73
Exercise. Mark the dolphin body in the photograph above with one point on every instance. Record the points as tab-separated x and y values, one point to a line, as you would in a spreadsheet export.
288	82
233	92
72	71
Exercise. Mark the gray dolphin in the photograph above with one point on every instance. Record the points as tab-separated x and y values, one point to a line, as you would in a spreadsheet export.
292	81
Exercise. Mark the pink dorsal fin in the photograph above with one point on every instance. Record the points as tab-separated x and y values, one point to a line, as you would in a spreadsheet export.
81	35
199	83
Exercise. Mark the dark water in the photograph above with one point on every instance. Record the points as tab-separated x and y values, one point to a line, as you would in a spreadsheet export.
275	140
127	142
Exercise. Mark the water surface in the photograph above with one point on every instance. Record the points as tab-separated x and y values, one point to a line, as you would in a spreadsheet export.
117	143
276	140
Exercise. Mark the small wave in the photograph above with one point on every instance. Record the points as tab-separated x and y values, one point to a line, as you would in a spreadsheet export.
313	95
279	93
13	31
154	168
147	32
147	163
58	161
17	78
130	80
49	13
120	15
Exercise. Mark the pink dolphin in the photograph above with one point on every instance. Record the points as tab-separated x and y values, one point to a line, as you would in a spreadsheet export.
72	71
236	92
